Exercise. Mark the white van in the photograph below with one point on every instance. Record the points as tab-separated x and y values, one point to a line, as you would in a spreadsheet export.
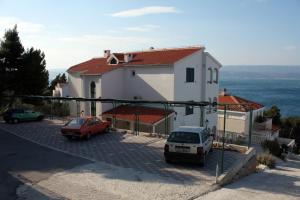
188	143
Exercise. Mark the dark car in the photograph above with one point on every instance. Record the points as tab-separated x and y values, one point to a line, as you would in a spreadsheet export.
84	127
16	115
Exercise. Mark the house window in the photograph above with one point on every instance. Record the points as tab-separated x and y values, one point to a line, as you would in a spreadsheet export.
210	75
113	61
93	95
190	75
132	73
216	77
189	110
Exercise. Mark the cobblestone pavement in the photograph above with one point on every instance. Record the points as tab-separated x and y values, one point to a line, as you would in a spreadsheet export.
125	150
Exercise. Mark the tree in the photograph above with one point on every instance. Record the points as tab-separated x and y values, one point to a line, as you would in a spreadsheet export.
60	78
33	72
274	113
21	72
11	51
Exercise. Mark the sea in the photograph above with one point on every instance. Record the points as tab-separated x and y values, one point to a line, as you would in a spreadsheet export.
268	85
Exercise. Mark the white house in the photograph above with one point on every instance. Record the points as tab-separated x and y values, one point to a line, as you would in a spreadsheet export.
157	74
238	119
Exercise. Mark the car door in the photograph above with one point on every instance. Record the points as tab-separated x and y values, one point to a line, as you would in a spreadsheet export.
99	126
206	140
29	115
89	126
19	114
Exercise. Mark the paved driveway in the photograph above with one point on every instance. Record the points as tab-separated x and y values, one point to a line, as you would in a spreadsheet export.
139	153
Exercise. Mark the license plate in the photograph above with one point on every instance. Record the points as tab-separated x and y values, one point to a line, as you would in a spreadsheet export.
182	149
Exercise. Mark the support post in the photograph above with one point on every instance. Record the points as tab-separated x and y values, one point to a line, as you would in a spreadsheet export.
77	109
201	116
114	114
223	140
166	120
250	128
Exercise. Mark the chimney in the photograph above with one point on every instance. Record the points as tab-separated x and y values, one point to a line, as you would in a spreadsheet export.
106	53
127	57
224	92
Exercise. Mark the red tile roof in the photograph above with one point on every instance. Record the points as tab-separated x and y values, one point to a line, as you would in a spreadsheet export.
148	115
275	128
242	105
152	57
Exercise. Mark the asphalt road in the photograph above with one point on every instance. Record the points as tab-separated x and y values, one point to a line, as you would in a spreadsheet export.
23	161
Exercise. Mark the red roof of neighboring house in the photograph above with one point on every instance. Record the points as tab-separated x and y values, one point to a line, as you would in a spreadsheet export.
148	115
153	57
243	104
275	128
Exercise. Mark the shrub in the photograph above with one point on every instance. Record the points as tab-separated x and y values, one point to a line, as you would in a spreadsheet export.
273	147
266	159
260	119
56	109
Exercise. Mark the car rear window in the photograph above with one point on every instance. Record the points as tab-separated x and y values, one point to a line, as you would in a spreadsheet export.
77	121
184	137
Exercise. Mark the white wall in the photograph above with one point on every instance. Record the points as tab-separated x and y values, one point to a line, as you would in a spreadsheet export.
86	84
112	86
212	89
149	83
184	91
75	90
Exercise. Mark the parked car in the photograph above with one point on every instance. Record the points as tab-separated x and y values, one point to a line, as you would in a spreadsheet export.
188	143
16	115
84	127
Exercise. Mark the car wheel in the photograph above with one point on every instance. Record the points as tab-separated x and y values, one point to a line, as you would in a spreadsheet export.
168	161
202	163
106	130
15	120
88	136
40	118
69	137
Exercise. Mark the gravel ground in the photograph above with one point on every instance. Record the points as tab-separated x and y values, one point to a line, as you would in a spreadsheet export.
103	181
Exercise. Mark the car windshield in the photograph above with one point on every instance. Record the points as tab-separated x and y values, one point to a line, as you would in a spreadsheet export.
76	122
184	137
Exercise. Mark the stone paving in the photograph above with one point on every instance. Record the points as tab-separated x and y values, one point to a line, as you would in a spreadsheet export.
124	150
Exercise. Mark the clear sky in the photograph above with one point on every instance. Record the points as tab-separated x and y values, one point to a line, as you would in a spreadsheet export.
236	32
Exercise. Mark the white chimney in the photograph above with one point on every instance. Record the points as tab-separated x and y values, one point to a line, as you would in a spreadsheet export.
224	92
127	57
106	53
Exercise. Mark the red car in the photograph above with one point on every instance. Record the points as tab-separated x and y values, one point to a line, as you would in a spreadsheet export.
84	127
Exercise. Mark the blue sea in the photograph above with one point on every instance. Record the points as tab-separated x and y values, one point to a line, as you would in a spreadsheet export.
269	85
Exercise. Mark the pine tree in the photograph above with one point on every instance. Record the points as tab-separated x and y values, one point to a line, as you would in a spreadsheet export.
33	72
21	72
11	51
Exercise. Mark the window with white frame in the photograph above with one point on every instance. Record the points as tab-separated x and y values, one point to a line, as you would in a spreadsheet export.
210	72
189	110
190	75
216	75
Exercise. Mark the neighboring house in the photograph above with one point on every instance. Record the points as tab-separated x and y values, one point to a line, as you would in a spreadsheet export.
238	119
61	90
183	74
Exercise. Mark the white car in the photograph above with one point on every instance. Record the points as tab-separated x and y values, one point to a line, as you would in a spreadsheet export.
188	143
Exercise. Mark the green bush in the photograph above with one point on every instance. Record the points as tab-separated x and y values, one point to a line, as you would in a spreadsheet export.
260	119
273	147
55	109
266	159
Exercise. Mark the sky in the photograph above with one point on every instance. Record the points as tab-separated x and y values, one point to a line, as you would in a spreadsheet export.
235	32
